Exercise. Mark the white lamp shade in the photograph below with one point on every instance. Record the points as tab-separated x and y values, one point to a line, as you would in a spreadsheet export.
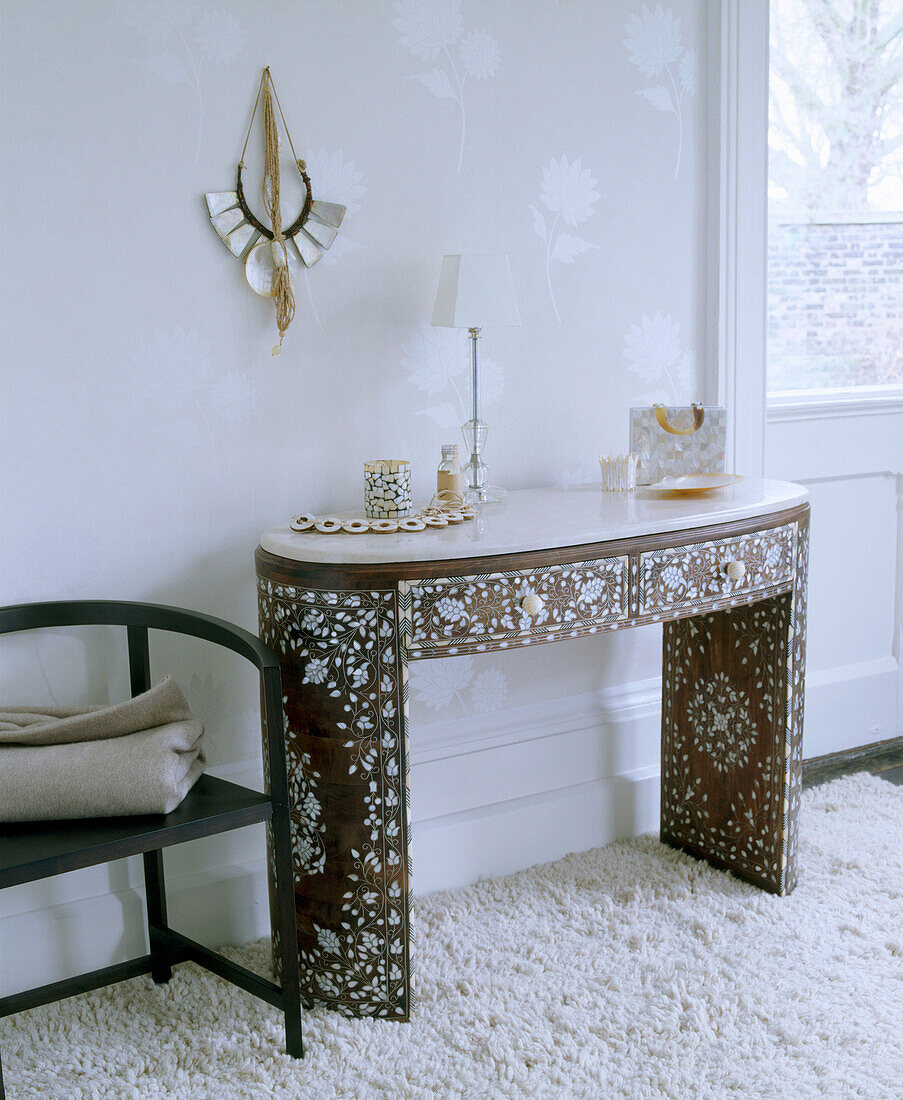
475	291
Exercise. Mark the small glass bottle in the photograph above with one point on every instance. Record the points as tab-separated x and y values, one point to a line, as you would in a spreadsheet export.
449	476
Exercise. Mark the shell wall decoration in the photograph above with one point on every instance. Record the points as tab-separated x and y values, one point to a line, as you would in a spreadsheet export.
264	250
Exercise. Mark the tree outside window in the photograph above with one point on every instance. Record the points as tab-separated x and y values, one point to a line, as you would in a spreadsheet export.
835	257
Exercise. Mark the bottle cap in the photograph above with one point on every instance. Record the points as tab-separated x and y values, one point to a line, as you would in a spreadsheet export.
449	450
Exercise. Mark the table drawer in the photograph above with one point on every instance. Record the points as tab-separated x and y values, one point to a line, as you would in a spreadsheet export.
684	576
453	613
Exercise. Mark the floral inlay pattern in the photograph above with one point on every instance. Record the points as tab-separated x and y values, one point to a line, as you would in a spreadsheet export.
344	646
694	574
305	813
469	611
796	677
732	722
725	680
721	722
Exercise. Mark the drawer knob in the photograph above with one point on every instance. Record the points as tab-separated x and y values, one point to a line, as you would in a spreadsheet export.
532	604
735	570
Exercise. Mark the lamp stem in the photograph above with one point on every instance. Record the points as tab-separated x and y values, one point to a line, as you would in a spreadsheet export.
475	365
476	472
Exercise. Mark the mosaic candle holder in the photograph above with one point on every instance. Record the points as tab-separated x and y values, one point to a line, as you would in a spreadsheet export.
387	488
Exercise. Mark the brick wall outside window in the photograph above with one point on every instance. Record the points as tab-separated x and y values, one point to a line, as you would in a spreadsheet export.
835	303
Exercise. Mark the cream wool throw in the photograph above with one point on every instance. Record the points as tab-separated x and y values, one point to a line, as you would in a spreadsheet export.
138	757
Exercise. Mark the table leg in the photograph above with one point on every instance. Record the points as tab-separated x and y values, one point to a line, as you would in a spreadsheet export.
732	717
345	684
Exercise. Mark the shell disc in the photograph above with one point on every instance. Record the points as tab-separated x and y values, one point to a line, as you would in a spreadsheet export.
260	265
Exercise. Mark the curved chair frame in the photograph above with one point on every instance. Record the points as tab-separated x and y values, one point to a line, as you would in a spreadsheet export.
34	851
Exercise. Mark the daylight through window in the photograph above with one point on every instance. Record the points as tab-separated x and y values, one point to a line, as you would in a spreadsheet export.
835	194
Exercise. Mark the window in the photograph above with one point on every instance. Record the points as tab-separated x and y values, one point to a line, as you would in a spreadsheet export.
835	198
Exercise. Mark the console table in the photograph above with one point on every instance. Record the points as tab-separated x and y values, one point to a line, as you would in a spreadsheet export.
726	575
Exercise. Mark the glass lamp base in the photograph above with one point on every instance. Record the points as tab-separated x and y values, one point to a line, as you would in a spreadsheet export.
476	472
488	494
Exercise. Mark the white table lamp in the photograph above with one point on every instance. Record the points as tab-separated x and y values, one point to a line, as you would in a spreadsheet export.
475	291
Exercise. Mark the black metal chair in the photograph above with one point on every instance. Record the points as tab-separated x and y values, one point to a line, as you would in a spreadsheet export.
35	851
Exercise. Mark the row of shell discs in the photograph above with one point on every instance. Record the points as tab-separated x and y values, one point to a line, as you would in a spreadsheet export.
332	525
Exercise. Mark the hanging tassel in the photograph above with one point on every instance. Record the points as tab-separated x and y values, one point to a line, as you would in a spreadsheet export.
282	282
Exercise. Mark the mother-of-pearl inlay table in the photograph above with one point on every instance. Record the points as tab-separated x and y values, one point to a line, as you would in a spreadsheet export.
726	575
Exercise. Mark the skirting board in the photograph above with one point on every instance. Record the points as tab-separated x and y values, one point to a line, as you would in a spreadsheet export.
851	705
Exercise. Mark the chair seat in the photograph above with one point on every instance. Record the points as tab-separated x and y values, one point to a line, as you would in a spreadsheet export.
35	850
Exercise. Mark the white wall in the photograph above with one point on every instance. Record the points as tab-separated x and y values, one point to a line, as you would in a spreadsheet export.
851	459
149	436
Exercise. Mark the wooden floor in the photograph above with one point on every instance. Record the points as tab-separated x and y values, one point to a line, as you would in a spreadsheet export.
884	758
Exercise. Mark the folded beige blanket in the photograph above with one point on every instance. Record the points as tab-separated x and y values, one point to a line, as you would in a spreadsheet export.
60	725
138	757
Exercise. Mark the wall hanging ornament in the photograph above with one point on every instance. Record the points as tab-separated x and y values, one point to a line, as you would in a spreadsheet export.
271	267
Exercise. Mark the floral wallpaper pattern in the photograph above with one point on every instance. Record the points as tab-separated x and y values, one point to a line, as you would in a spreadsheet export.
160	356
469	687
656	355
568	192
437	361
186	397
335	180
653	38
181	38
429	28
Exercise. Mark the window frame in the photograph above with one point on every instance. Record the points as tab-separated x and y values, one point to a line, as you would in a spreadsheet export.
738	66
822	402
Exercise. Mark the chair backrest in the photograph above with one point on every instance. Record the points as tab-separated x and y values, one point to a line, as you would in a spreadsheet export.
138	618
143	616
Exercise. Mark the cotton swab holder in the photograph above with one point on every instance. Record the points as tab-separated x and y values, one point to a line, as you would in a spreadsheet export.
619	472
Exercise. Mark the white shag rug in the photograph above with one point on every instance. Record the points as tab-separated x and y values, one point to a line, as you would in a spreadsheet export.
626	971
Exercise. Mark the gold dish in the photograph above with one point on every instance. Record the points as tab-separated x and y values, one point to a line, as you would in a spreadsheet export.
692	484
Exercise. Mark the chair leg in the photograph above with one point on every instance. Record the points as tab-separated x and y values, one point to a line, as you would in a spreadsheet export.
285	907
161	971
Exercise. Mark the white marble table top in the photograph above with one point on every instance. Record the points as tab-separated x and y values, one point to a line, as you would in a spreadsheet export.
543	519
